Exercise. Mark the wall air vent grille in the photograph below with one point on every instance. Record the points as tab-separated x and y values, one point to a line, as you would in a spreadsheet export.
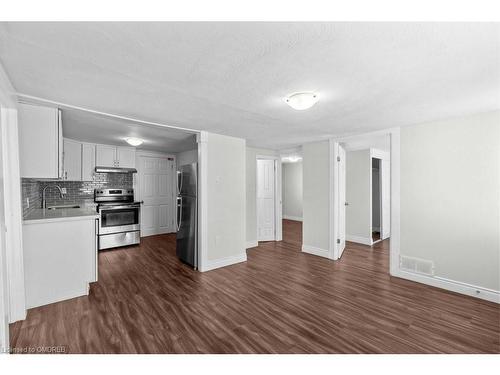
416	265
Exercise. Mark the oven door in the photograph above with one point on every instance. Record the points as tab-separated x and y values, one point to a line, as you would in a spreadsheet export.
117	219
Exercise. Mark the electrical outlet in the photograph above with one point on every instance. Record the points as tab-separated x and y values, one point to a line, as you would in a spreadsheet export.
63	190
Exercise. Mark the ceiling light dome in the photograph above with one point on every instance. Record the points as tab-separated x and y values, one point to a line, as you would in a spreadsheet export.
134	141
302	100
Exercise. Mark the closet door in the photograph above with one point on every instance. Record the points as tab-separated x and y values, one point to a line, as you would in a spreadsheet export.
155	179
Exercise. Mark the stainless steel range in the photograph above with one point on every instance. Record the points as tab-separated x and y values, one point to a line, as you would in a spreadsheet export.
119	223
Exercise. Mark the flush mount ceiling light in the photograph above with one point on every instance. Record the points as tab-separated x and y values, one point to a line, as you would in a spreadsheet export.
291	159
134	141
301	100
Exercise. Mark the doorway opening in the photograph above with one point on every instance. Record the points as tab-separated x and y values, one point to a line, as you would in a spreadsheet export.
291	167
362	191
376	200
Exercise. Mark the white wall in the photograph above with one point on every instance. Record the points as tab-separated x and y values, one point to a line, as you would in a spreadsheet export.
4	301
358	169
316	198
251	192
226	193
292	190
450	197
187	157
12	304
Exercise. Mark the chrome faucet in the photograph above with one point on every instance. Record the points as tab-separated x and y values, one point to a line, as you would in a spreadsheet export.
44	201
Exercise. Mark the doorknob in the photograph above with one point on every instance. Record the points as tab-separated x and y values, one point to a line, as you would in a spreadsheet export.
346	204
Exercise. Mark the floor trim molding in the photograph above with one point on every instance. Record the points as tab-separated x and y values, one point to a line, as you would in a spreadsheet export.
358	239
294	218
452	285
224	262
251	244
316	251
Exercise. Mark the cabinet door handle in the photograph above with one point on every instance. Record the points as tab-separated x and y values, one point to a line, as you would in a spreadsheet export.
66	175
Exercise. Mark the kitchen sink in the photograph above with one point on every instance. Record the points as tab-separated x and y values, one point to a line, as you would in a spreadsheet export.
63	206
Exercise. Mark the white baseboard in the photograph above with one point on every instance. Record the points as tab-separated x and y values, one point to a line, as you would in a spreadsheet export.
316	251
452	285
359	239
223	262
294	218
46	300
251	244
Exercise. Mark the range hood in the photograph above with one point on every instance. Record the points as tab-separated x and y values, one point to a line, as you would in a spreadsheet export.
115	170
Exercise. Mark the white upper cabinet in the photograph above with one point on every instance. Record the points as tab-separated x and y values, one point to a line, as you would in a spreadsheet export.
113	156
105	156
79	160
40	141
88	161
72	160
125	157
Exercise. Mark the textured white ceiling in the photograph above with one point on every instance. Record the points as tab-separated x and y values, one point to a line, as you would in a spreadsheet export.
88	127
229	78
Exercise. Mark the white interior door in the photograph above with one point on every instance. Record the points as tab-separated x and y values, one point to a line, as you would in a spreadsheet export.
155	182
342	199
266	200
385	169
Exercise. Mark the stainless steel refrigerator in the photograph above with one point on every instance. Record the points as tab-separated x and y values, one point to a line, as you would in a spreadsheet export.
187	214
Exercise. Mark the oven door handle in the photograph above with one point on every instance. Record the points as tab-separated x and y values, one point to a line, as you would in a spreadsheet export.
119	207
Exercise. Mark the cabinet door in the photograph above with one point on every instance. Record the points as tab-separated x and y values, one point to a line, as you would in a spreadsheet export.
105	156
88	162
125	157
72	160
39	147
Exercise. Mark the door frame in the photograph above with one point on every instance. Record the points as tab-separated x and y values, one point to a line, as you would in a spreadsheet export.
371	196
380	155
395	160
278	208
155	154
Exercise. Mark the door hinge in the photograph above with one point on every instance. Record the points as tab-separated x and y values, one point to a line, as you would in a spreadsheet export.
338	240
338	158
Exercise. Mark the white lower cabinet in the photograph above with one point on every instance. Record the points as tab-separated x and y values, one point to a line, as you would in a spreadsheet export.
60	259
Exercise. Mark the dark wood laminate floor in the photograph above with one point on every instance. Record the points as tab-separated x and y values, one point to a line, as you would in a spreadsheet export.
280	301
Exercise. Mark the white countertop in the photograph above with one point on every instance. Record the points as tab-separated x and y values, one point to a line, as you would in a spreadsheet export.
62	214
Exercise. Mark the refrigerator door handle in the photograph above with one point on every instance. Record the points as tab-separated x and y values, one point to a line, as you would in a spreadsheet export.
180	178
179	212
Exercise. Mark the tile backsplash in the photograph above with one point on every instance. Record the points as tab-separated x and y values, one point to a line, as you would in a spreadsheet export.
76	191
